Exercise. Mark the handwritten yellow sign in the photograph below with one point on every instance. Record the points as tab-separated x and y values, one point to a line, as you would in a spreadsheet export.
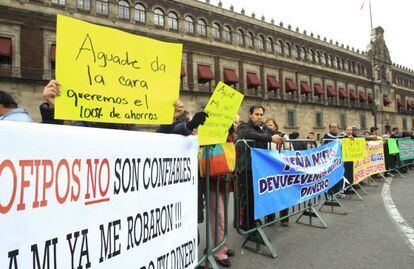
108	75
353	149
222	108
372	164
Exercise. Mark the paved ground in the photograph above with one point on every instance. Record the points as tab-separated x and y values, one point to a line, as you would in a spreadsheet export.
365	238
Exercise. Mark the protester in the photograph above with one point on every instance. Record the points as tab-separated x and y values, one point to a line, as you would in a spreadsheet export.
217	206
333	133
296	145
181	123
261	136
373	134
348	132
387	131
274	127
395	133
9	110
311	145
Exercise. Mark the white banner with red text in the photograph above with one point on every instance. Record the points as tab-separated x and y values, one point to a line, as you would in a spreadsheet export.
75	197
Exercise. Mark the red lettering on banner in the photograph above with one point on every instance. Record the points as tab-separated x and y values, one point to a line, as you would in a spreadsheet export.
3	165
24	183
62	199
76	180
94	178
36	182
46	184
36	202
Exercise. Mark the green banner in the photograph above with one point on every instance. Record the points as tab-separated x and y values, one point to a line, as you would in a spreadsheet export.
392	146
406	146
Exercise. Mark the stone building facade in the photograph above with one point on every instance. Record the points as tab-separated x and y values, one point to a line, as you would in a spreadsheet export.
305	81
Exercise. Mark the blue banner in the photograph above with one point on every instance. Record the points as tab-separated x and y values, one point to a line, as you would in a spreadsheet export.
281	180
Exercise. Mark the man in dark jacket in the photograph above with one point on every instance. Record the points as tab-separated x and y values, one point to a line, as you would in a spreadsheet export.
333	133
261	136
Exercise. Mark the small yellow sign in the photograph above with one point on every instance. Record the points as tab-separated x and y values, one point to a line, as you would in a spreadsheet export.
222	108
353	149
108	75
372	164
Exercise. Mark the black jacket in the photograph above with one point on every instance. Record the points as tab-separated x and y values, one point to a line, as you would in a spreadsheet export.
261	136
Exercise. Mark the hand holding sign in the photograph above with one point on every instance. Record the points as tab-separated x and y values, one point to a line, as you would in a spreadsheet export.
127	79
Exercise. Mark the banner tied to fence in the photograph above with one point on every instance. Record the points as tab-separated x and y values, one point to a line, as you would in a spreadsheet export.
74	197
406	147
373	163
281	180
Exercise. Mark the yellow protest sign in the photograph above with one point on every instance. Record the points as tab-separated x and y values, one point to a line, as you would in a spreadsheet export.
222	108
108	75
353	149
372	164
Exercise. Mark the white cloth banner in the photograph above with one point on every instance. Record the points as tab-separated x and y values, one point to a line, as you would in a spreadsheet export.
73	197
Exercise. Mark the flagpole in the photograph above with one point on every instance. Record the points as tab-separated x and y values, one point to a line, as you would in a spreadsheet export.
374	104
370	13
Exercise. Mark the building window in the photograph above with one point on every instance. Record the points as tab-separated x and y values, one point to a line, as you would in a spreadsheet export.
363	121
336	63
303	54
363	70
279	47
216	30
101	7
291	118
189	24
322	59
5	52
240	38
173	21
123	10
52	57
342	120
201	27
269	45
227	33
326	58
319	119
318	57
298	52
260	43
404	124
330	60
347	66
58	2
84	4
311	56
159	17
139	13
249	40
358	66
286	50
353	67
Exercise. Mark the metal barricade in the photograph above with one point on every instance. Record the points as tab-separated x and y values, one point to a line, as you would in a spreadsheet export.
243	200
212	246
347	185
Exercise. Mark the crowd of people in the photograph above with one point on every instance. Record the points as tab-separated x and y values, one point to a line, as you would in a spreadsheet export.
262	131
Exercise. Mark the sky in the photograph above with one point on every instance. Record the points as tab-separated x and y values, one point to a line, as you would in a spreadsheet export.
342	20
